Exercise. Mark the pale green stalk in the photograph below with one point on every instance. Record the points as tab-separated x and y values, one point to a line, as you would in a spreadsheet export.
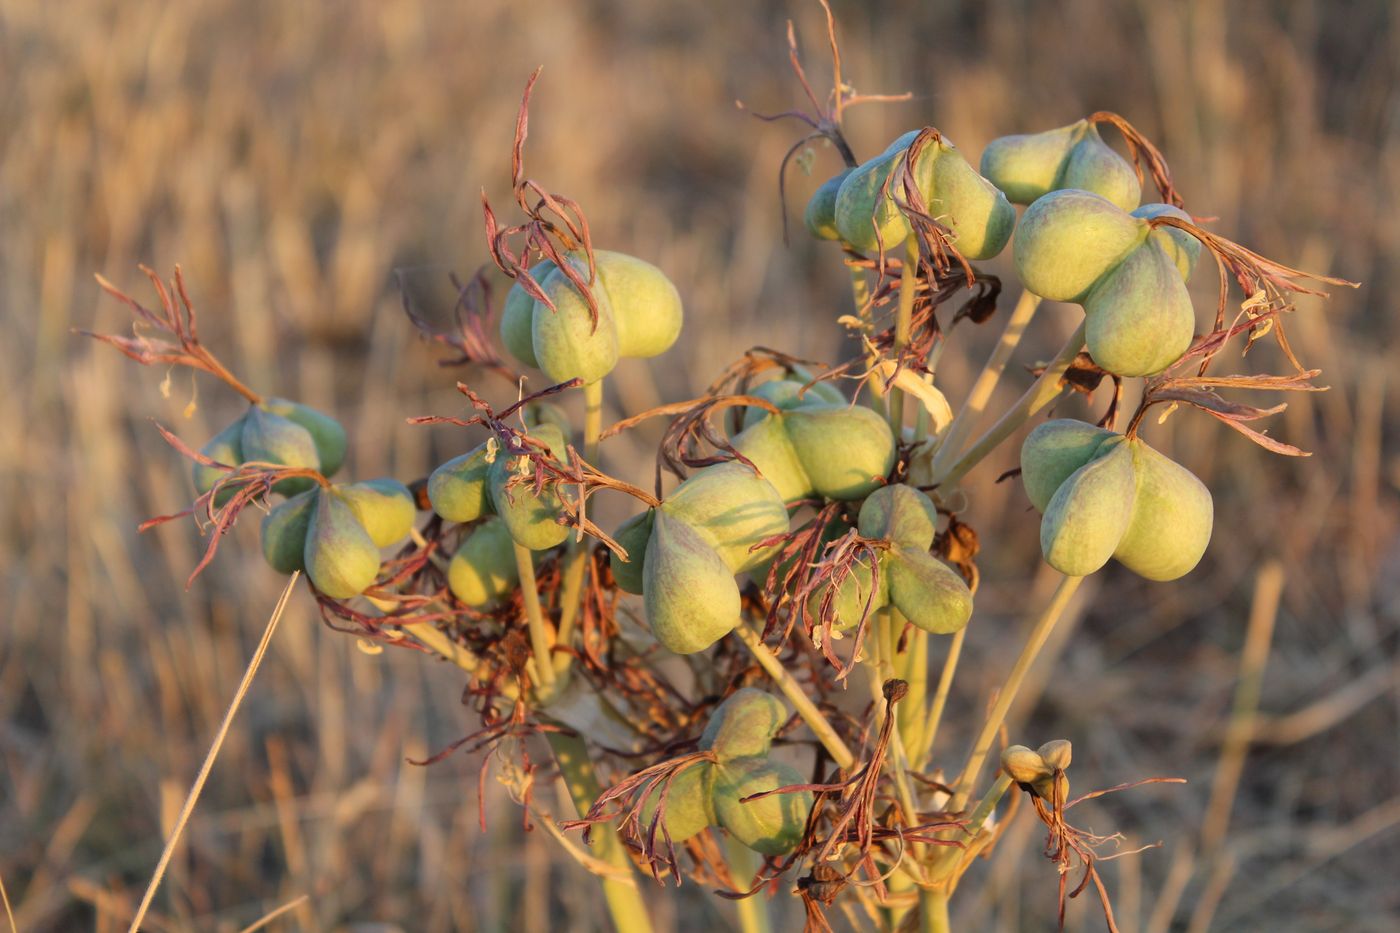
534	620
743	866
576	563
940	699
903	324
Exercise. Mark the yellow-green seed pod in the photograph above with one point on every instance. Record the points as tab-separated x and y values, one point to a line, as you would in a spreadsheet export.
691	598
225	447
845	452
743	725
1027	166
820	216
930	593
1057	754
901	514
1023	765
284	532
533	519
866	214
767	445
341	560
645	304
1172	518
788	394
326	432
856	594
772	825
458	488
568	343
633	535
270	438
1053	451
1068	240
518	315
690	807
733	509
384	507
1140	318
1181	247
483	570
979	215
1090	512
1053	789
1093	166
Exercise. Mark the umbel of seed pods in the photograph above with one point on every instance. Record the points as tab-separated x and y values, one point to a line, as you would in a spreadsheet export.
711	793
279	432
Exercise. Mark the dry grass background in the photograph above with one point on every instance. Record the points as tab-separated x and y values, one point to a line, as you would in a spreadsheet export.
292	156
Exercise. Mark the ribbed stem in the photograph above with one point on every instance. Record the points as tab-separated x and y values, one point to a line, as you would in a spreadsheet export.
540	642
903	324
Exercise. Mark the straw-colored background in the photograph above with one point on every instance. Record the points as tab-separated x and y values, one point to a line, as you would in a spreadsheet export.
292	156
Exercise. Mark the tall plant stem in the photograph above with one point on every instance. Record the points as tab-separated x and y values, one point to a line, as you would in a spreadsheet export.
576	562
1044	625
819	724
1041	393
933	911
860	295
940	699
903	324
540	642
743	866
912	721
624	900
982	389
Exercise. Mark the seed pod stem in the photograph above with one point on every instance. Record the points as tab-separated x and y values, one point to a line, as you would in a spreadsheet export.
571	597
903	323
940	700
540	642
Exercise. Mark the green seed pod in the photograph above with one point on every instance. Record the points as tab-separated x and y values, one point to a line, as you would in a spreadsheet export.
733	509
1027	166
1053	451
691	598
383	506
979	215
767	445
284	532
1140	318
484	569
690	807
326	432
1182	248
645	304
853	595
1053	789
1172	518
633	535
341	560
1090	513
272	438
1068	240
1023	765
458	488
518	314
537	413
1093	166
930	593
845	452
862	209
567	342
532	519
901	514
225	447
787	394
772	825
820	216
1057	753
743	725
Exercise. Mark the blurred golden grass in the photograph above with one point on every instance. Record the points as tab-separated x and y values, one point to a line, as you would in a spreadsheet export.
293	156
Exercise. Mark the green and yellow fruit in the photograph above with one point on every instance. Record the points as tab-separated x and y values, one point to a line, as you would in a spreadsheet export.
743	725
772	825
633	535
384	507
340	557
690	807
901	514
820	215
733	509
834	452
458	488
857	594
326	433
225	447
927	591
284	531
484	570
691	597
533	519
518	316
1028	166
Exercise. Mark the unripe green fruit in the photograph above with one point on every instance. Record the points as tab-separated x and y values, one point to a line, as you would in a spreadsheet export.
1029	166
633	535
1093	166
531	518
284	531
1172	518
1140	318
384	507
340	557
646	305
225	447
484	569
845	452
1090	512
743	725
691	598
326	432
979	215
458	488
733	509
787	394
767	445
1181	247
568	342
517	316
866	214
901	514
1068	240
272	438
772	825
930	593
1053	451
820	216
690	807
853	595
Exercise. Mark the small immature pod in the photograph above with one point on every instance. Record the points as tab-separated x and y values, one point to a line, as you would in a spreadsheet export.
284	532
568	343
1140	318
341	560
646	306
772	825
484	569
1057	754
326	432
532	519
1068	240
845	452
458	488
733	509
1029	166
1181	247
1053	451
820	216
1090	513
690	806
1172	518
1093	166
853	595
788	394
271	438
383	506
979	215
743	725
691	598
930	593
866	215
1023	765
518	315
901	514
767	446
633	535
225	447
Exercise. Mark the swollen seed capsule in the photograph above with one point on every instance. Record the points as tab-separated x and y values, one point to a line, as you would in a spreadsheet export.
383	506
743	725
1093	166
979	215
284	532
531	518
866	215
341	560
225	447
326	432
1027	166
733	509
691	598
1181	247
646	306
690	807
1023	765
1090	513
271	438
901	514
1172	518
845	452
772	825
1057	754
568	343
1068	240
633	535
537	413
484	569
1053	451
820	216
767	446
930	593
1139	316
788	394
517	316
853	595
458	488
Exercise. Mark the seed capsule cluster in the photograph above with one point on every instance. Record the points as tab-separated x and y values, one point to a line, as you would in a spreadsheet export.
1030	165
1042	769
279	432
